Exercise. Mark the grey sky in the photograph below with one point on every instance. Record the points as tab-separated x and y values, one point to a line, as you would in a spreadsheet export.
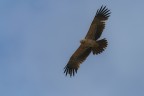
37	38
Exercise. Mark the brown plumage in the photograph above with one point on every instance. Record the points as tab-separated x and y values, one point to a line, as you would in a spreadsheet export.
90	43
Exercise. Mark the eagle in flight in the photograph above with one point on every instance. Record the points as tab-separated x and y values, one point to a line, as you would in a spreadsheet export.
90	43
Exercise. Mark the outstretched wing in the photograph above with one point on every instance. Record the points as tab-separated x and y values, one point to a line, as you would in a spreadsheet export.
98	24
76	59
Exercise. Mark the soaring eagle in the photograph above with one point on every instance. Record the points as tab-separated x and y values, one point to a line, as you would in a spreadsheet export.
90	43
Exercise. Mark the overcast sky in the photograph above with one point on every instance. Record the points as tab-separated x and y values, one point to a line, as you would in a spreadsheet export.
37	38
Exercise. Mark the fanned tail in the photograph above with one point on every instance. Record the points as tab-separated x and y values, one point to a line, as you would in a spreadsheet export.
102	44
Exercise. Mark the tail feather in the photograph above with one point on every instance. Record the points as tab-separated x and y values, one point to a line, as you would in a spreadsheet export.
102	44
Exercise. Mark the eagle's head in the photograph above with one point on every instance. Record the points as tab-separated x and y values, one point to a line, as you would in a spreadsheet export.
82	41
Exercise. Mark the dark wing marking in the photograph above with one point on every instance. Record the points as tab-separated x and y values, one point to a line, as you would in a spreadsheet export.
76	59
98	23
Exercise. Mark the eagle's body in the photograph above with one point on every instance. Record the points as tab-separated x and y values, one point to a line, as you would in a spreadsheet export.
90	43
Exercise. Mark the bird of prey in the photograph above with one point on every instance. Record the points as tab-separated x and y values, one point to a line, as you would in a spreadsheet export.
90	43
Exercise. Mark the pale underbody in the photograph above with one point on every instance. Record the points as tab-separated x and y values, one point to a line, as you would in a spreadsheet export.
89	42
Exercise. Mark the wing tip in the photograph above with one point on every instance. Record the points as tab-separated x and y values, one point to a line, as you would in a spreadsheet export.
70	71
103	11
